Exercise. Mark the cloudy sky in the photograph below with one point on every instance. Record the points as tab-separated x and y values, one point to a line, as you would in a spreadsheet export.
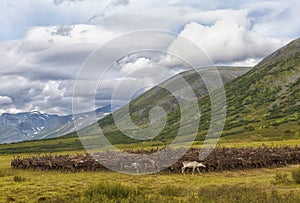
43	44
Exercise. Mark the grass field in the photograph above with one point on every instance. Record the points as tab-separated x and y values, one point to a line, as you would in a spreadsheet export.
53	186
69	144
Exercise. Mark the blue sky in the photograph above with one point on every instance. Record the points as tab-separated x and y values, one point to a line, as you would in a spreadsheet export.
44	43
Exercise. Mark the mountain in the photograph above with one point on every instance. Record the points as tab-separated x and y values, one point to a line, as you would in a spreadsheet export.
35	125
139	108
262	104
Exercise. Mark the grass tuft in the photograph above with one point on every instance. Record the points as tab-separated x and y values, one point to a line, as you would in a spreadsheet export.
105	191
296	176
281	178
175	191
20	179
4	173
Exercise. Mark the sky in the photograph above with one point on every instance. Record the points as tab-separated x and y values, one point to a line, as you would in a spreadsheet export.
43	44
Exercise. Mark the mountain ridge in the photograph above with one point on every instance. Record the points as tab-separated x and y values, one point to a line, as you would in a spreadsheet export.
35	125
263	104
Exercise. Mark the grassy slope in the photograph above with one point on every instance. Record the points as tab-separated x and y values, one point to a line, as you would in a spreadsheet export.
263	105
139	108
73	144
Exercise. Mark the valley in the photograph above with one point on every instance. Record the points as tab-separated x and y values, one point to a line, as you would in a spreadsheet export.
262	116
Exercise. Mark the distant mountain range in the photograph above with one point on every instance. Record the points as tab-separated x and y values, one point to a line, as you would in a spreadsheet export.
35	125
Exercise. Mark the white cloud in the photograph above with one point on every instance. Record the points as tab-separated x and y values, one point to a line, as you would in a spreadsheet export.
137	76
28	95
43	50
4	100
282	21
139	64
268	15
119	2
16	17
247	63
59	2
230	39
38	71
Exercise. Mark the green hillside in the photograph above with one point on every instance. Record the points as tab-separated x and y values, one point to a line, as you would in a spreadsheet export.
139	108
263	104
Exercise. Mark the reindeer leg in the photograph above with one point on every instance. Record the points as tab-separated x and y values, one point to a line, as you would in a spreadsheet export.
193	170
182	170
199	171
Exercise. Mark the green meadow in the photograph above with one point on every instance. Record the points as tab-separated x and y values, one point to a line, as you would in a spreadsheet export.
257	185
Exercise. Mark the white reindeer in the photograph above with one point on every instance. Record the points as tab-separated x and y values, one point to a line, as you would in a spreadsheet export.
193	165
136	166
133	167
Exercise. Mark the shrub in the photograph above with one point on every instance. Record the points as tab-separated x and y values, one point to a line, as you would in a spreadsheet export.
282	178
249	128
20	179
43	199
296	176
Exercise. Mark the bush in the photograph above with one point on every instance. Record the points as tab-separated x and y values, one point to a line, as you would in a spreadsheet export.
20	179
249	128
296	176
282	178
43	199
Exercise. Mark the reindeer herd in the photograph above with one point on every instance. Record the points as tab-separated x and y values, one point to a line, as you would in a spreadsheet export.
220	159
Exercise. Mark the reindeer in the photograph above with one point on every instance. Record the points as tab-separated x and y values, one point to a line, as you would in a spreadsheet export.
192	164
68	167
16	163
132	168
25	163
136	167
148	164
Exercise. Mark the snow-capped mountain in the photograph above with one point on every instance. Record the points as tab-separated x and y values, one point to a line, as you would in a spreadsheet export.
35	125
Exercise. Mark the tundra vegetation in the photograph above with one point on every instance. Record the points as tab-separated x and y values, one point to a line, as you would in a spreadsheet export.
268	183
